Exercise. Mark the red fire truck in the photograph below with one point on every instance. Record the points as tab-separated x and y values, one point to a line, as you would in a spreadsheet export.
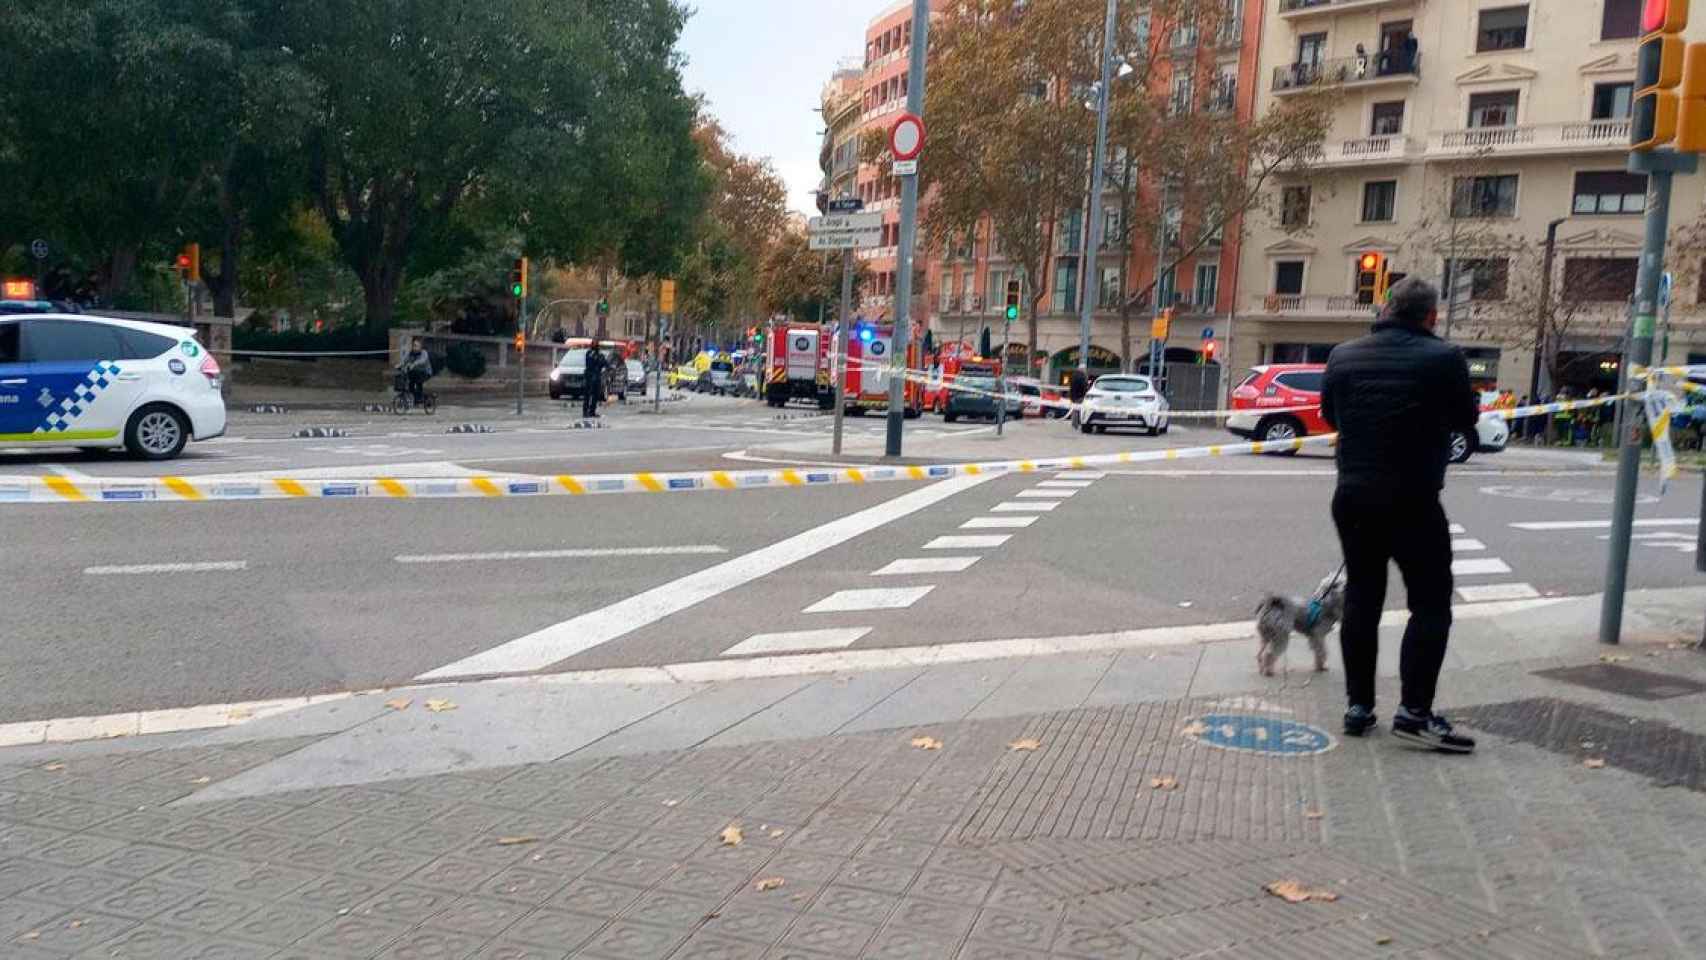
797	364
955	360
868	357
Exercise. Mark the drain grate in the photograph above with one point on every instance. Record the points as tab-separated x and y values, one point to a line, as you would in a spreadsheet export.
1627	681
1671	757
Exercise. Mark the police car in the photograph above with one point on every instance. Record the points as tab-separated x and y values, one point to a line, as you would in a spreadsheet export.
99	383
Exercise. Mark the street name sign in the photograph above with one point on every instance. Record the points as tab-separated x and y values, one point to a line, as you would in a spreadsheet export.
852	231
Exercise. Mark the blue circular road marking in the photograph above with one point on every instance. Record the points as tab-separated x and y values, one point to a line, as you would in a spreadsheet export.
1258	734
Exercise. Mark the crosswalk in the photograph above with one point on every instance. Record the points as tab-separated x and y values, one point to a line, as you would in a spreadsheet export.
949	554
1467	564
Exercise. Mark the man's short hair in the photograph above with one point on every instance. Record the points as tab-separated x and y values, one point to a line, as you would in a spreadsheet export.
1411	300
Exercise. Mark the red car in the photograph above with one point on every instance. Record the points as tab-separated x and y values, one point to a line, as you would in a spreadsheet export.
1266	402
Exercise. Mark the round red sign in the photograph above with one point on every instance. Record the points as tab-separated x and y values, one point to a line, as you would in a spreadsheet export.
906	137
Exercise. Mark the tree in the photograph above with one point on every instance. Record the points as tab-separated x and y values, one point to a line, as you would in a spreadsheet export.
804	283
746	212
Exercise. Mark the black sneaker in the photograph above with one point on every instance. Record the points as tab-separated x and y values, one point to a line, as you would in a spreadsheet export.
1429	730
1359	720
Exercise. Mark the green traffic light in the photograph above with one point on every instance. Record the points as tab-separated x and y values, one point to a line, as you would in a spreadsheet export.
1012	313
515	288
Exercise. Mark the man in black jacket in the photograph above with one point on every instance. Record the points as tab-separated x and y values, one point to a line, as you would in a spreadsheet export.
1395	396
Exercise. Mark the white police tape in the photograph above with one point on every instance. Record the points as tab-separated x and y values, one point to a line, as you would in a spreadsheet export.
86	490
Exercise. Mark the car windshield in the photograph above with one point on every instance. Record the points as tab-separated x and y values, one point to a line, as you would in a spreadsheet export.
977	383
574	359
1122	385
722	366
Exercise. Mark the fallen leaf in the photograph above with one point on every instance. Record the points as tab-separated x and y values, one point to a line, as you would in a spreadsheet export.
927	743
731	835
1313	814
1613	657
1293	891
239	713
32	935
516	841
1194	729
1382	940
777	834
198	781
75	924
768	883
440	706
1164	783
1594	763
401	703
54	767
1028	743
671	803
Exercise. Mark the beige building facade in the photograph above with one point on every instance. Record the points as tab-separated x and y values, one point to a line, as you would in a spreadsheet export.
1464	129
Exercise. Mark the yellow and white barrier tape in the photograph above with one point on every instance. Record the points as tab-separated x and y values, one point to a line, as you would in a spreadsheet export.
58	489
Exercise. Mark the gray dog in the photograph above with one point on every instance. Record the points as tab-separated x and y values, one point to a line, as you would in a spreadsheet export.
1277	617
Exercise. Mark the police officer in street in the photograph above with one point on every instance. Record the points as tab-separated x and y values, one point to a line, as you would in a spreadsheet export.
592	389
1395	396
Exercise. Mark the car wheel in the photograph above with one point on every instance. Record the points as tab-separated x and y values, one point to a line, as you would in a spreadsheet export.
1280	430
1101	428
1461	449
1087	427
1155	431
156	433
1166	426
950	417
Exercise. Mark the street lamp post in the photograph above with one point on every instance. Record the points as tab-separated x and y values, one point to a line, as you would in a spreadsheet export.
1536	378
1097	172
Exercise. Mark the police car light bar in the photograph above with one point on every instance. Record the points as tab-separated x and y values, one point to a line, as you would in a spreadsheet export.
17	289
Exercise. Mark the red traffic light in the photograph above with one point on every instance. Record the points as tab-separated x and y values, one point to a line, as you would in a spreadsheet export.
1208	349
1369	261
183	261
1667	16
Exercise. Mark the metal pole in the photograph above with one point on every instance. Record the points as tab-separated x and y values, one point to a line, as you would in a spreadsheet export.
908	235
838	359
657	364
1453	269
1535	378
1659	167
521	358
1001	379
1091	274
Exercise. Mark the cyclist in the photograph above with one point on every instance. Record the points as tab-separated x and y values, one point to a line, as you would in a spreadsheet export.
416	369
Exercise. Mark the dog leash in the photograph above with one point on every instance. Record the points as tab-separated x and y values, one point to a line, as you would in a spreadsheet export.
1317	603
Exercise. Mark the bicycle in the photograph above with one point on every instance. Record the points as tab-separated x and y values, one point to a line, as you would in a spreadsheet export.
403	399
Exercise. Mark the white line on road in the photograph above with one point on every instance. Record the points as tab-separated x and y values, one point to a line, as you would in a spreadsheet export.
913	565
797	641
1046	494
879	598
1477	568
563	640
691	550
1497	591
1021	507
1467	545
1457	530
969	542
1065	484
148	568
998	523
1079	475
1603	524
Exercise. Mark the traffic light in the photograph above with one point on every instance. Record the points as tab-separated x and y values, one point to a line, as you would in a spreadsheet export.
1658	70
1013	288
1691	101
520	342
1371	279
188	263
518	278
1162	325
1208	350
604	306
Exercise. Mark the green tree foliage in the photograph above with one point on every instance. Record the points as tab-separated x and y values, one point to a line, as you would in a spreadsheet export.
804	283
745	215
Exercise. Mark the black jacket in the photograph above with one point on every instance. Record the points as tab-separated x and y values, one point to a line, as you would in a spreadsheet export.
1395	396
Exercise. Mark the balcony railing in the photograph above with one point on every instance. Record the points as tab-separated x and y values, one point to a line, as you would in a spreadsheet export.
1311	305
1577	136
878	253
882	110
1390	148
1230	34
1297	9
888	58
1368	69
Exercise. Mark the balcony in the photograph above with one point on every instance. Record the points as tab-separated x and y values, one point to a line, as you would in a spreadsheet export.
893	106
878	253
1579	136
1393	148
888	58
1312	305
1382	68
1304	9
1230	35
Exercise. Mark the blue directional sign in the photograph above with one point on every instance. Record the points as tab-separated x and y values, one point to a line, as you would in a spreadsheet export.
1258	734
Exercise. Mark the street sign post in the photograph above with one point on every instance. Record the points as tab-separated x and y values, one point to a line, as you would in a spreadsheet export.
851	231
906	140
845	205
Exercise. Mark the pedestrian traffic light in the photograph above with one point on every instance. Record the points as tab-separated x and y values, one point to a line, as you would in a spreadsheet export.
1208	350
520	341
1013	288
1691	101
603	306
1658	70
518	278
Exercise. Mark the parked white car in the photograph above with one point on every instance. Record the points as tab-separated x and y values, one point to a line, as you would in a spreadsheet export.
1124	400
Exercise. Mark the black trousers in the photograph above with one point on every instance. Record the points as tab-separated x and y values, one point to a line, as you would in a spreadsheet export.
590	397
1375	528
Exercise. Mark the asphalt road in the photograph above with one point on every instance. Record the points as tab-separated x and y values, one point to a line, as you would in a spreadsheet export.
311	597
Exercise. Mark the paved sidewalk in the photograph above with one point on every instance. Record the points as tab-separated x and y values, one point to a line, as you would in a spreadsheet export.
1120	826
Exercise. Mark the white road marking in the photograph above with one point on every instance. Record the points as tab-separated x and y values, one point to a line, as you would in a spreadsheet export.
969	542
149	568
1046	494
1480	567
1457	529
563	640
1020	507
692	550
797	641
1079	475
1467	545
998	523
912	565
1604	524
1065	484
879	598
1497	591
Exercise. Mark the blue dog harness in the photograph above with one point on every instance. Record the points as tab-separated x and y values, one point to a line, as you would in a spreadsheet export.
1318	602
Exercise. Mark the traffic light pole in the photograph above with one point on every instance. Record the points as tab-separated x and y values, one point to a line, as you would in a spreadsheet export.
521	356
908	237
1093	275
1659	167
838	360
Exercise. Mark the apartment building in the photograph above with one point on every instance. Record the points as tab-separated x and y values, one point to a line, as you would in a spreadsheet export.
1464	128
842	104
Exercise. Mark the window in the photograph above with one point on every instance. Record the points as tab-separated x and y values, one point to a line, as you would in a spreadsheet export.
9	342
1492	109
947	293
1388	119
1311	49
1609	192
1484	196
1306	381
1288	277
1110	227
1065	286
69	341
968	290
143	346
1294	206
1611	100
1108	296
1167	288
1379	201
1072	232
997	299
1172	223
1207	289
1621	20
1182	94
1301	353
1489	277
1503	28
1599	279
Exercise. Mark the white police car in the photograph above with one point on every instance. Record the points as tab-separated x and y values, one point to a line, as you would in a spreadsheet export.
97	383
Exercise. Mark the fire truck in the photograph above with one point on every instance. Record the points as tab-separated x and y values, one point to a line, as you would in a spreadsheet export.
956	360
868	358
797	364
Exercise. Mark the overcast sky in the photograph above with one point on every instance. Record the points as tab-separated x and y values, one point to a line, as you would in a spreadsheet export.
763	64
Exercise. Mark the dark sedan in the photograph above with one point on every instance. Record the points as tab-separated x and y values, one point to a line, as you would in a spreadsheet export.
975	397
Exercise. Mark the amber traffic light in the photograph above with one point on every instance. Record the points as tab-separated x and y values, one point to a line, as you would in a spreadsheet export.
1658	70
